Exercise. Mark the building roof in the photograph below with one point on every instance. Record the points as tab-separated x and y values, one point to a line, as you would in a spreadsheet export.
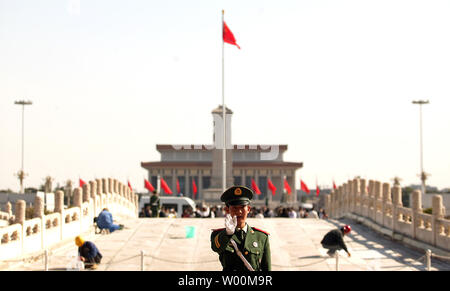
199	147
263	164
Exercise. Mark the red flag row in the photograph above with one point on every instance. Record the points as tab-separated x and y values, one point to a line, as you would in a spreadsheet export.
254	186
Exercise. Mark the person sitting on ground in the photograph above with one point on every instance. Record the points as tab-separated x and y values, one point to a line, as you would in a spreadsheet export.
105	221
88	252
334	240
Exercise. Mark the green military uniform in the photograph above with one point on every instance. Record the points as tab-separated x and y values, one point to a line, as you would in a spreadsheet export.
155	205
252	242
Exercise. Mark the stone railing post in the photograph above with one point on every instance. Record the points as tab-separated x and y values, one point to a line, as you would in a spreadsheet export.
387	202
105	186
356	195
110	185
115	186
343	199
8	208
93	195
364	197
77	197
59	201
397	201
86	192
20	211
377	191
38	207
371	203
438	213
99	186
351	193
415	210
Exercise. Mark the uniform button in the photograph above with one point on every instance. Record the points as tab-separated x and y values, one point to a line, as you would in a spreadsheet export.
246	253
257	253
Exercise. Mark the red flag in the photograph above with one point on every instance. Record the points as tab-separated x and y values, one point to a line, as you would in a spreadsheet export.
129	185
287	187
317	190
304	187
271	187
178	187
228	36
334	185
165	187
82	183
149	186
194	188
255	187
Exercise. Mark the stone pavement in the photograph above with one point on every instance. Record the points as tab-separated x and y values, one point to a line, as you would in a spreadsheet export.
295	246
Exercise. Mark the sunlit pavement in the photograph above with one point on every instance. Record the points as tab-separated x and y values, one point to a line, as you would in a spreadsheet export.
161	244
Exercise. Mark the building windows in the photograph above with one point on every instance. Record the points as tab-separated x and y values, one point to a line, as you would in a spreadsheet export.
182	183
206	181
237	180
262	185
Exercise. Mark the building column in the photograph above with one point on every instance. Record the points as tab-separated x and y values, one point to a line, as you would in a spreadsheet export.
187	181
200	185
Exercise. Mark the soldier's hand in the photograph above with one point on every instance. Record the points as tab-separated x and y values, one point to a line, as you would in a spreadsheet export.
230	224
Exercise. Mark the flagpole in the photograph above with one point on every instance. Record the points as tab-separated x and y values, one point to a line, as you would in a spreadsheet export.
224	153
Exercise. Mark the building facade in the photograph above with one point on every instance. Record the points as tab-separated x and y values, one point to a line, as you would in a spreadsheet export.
200	166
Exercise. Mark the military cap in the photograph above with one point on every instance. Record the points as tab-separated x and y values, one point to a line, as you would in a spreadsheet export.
237	195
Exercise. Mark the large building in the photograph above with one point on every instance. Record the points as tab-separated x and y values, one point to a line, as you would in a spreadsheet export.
202	165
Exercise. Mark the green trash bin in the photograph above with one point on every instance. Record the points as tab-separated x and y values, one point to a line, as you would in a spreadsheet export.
190	231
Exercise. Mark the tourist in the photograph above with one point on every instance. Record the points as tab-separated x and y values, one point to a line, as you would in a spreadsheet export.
334	240
105	221
88	253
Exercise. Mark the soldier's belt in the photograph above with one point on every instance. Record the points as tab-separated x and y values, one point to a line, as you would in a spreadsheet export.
238	252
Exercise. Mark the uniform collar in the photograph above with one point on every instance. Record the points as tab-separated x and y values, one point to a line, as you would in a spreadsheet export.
245	228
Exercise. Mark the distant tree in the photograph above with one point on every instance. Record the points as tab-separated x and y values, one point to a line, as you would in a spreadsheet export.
30	190
6	191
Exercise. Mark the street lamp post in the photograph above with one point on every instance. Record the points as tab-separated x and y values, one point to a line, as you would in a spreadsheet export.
21	173
423	175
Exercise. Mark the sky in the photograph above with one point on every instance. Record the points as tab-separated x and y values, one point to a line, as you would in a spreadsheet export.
333	80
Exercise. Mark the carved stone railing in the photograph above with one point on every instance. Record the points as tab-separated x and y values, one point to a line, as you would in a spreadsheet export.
382	205
25	237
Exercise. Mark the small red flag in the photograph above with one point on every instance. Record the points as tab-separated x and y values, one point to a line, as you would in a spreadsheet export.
178	187
317	190
129	185
228	36
271	187
82	183
334	185
148	185
194	188
287	187
255	187
304	187
165	186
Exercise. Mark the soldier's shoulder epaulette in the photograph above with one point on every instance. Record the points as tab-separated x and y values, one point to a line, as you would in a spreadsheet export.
218	229
261	230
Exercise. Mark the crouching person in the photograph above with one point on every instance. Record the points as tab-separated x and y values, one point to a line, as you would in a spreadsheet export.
88	252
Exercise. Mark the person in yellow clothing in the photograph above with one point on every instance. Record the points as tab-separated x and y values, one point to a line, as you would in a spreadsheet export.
88	253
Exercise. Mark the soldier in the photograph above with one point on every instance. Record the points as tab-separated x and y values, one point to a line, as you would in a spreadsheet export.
240	247
155	204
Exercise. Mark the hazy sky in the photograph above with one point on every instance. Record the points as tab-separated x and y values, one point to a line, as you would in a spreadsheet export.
334	80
